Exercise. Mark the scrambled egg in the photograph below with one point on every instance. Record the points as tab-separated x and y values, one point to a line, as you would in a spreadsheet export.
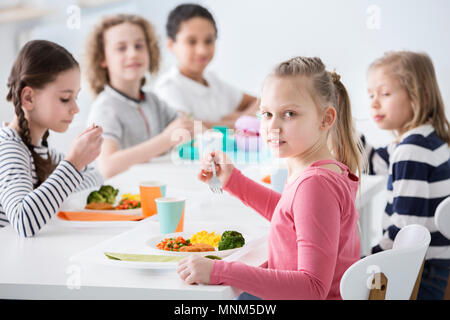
131	196
205	237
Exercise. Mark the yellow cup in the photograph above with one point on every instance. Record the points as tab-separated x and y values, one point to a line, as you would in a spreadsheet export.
149	191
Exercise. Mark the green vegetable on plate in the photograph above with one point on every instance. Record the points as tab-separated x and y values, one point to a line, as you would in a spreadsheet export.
231	240
95	196
109	193
213	257
106	194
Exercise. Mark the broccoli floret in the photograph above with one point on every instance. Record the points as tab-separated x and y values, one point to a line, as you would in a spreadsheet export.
95	196
107	189
109	193
231	240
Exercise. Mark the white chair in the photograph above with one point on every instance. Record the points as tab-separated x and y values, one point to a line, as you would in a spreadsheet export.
442	221
442	217
391	274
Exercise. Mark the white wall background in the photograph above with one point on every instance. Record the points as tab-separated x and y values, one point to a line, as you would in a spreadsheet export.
254	35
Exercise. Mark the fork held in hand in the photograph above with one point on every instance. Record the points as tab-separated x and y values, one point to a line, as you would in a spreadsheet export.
214	184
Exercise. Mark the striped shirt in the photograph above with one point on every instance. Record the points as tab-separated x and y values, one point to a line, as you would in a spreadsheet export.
418	170
28	209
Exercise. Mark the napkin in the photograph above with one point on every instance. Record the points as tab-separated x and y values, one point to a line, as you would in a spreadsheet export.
97	216
142	257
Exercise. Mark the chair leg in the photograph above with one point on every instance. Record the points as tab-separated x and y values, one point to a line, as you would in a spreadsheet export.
417	284
378	290
447	290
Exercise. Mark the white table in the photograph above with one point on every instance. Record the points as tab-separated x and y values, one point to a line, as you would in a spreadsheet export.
40	267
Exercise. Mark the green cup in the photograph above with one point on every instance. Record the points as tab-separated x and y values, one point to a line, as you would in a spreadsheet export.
170	214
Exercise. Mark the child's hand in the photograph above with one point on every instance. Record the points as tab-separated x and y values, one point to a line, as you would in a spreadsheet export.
195	269
179	130
224	167
86	147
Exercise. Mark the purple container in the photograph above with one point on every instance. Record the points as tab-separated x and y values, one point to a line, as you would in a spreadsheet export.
247	133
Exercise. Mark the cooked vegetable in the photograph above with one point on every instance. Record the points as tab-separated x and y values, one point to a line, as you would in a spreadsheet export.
108	189
109	193
106	195
173	244
231	240
128	204
213	257
266	179
95	196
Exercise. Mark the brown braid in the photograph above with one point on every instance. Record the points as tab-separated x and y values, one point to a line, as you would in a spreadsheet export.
43	167
37	64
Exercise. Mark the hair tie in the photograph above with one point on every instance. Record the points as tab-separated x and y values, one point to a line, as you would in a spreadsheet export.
335	77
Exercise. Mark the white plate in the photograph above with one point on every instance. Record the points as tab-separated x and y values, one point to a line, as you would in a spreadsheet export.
153	241
77	201
136	240
100	259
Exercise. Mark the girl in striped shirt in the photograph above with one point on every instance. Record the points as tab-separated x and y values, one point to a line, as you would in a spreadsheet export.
35	180
405	98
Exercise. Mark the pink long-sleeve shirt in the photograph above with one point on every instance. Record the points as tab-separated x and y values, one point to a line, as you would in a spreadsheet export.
313	235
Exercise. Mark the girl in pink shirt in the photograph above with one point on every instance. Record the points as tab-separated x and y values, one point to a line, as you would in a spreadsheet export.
306	118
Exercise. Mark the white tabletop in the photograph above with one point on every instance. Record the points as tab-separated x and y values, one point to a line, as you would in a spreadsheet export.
42	268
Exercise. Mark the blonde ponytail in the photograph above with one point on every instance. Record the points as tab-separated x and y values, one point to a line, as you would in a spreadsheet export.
346	145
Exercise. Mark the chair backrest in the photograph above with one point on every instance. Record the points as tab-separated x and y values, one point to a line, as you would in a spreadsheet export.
400	265
442	217
442	222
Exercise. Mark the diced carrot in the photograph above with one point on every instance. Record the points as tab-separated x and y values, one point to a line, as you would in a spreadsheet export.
266	179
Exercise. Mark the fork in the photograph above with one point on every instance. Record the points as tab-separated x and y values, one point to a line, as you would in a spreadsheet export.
214	184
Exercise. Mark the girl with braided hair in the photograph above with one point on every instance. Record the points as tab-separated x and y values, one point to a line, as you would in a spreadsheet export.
307	119
35	180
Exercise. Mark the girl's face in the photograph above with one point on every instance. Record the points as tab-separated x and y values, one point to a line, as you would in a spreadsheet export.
126	53
194	45
54	106
290	124
389	101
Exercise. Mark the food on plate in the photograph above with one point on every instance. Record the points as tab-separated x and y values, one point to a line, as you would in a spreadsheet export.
95	197
203	241
173	244
197	247
213	257
130	196
106	194
211	238
129	201
128	204
105	197
109	192
99	206
231	240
